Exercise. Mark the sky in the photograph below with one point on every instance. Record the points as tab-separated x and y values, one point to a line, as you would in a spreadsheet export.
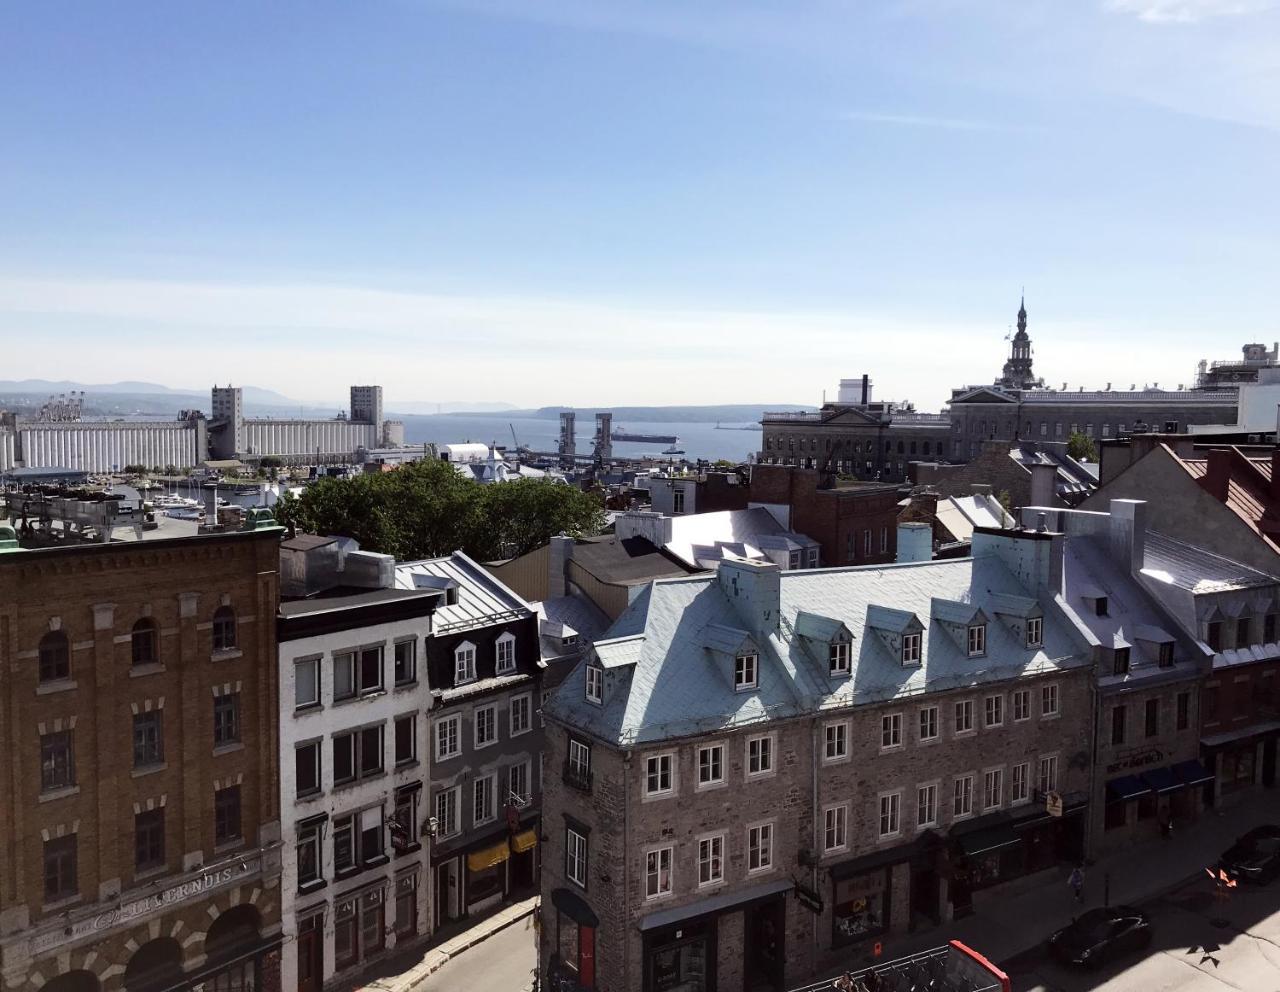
592	202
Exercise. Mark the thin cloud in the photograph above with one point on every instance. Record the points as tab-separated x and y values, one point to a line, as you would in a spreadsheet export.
1187	11
914	120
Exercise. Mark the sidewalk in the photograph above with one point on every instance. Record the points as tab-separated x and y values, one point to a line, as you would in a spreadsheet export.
411	971
1024	920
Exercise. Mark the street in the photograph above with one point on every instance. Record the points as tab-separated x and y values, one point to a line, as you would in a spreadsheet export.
1200	944
503	963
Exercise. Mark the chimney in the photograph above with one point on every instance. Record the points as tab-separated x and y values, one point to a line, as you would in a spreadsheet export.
980	489
1044	477
915	542
755	590
1127	534
558	555
1217	478
866	389
1033	556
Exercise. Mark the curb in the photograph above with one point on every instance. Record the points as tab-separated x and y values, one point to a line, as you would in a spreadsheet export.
438	959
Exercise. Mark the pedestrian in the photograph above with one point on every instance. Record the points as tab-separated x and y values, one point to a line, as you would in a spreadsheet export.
871	981
1076	881
845	983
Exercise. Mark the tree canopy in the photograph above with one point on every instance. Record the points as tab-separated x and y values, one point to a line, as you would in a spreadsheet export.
1081	448
426	509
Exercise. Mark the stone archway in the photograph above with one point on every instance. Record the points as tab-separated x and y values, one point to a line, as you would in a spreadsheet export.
79	980
235	929
157	964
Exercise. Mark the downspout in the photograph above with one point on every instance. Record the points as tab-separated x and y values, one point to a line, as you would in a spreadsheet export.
626	862
813	869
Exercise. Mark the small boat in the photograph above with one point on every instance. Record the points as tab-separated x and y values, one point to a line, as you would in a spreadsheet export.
173	501
185	513
673	450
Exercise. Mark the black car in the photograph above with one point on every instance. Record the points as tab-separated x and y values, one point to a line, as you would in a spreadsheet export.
1100	935
1255	857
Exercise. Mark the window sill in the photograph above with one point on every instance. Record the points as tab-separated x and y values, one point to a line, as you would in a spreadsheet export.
757	776
146	874
228	748
149	769
315	885
519	733
138	671
371	694
62	793
307	797
59	905
447	757
409	849
709	786
481	747
410	684
226	654
1050	716
228	845
377	862
306	708
406	764
57	685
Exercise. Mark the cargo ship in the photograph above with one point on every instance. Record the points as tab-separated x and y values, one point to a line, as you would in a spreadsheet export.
643	438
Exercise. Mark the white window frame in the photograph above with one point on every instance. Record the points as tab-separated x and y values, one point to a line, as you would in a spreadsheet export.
492	710
441	824
890	728
579	757
713	860
1035	632
455	720
977	640
489	783
760	847
1019	783
771	740
889	805
314	662
464	663
1021	703
839	658
745	665
1051	785
911	649
836	734
989	711
989	775
504	666
964	706
660	793
961	810
1050	690
835	821
575	849
525	698
711	783
921	790
526	772
653	858
936	721
595	683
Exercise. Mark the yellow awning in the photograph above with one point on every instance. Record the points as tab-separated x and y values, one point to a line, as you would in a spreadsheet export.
490	856
524	841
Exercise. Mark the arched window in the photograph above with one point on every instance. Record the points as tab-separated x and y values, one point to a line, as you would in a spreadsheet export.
144	642
55	657
224	628
157	964
505	656
232	933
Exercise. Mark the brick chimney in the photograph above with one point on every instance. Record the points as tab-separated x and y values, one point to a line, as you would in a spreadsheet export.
1217	476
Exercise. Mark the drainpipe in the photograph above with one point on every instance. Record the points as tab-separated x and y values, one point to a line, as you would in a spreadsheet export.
626	861
813	870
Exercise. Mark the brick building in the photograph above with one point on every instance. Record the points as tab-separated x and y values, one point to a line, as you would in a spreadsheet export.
1025	474
139	824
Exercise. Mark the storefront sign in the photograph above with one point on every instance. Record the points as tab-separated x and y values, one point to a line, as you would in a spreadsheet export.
809	899
859	907
1053	804
1137	758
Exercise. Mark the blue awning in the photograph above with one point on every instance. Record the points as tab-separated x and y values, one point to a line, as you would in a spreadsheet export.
1121	790
1192	772
1162	780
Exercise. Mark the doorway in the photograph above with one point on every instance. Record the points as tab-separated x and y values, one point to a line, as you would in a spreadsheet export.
924	894
447	894
766	946
311	953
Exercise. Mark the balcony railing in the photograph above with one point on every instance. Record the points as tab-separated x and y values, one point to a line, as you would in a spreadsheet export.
577	777
794	415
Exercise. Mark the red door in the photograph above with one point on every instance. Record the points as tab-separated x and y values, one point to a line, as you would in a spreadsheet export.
310	955
587	957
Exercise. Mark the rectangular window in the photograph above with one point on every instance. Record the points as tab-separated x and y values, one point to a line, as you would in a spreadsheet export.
711	860
711	765
448	737
57	760
148	839
1184	710
1120	661
657	873
1151	718
890	730
994	706
677	502
1164	654
964	716
372	923
836	745
1035	632
520	713
483	805
1018	783
346	934
977	640
306	683
575	847
1021	705
486	725
505	659
306	764
406	739
1117	725
1244	632
910	649
1269	628
928	723
464	663
890	814
309	861
1215	635
838	658
447	819
148	738
1048	773
962	796
884	540
518	782
659	777
1049	700
835	835
579	761
595	683
226	815
407	905
406	662
759	756
992	788
744	672
60	870
226	719
927	805
760	847
357	754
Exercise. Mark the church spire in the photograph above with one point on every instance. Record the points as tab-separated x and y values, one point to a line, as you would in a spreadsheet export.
1017	372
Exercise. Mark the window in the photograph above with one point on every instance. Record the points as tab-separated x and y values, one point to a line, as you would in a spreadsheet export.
866	542
1184	710
306	762
658	776
1269	628
407	905
1018	783
677	501
1120	661
977	640
359	927
711	860
1035	632
148	738
520	714
483	802
464	663
406	739
1048	773
357	754
57	760
143	642
1117	725
837	741
309	863
928	723
358	840
710	765
759	756
890	814
890	730
448	737
486	725
838	658
357	673
1021	705
60	875
657	873
306	683
447	812
224	629
595	683
578	767
148	839
1164	654
405	664
55	657
994	706
1049	700
962	796
964	716
518	782
910	649
226	719
884	531
760	847
1215	635
226	815
835	835
1151	718
992	788
505	657
927	805
575	846
744	672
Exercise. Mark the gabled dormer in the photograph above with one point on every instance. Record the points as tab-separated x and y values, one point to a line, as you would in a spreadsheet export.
735	652
1022	616
1095	600
1156	644
829	638
965	623
900	631
609	663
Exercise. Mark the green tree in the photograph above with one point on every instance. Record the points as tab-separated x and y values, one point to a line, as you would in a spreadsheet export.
1081	448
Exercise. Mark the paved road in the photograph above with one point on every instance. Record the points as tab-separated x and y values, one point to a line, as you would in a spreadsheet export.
1199	945
503	963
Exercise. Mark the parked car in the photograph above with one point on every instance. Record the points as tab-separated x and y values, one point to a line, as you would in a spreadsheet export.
1255	857
1100	935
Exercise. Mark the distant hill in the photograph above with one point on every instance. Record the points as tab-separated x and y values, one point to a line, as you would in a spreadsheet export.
43	387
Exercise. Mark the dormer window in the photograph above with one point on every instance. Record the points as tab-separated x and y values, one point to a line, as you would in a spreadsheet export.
1120	661
1035	632
911	649
839	658
569	640
464	663
1165	654
1215	635
1100	606
745	672
977	640
595	684
505	660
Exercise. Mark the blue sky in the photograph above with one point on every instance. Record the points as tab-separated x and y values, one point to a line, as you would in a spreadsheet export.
619	202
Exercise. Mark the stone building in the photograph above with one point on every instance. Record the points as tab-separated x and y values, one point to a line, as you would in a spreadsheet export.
139	824
1023	473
